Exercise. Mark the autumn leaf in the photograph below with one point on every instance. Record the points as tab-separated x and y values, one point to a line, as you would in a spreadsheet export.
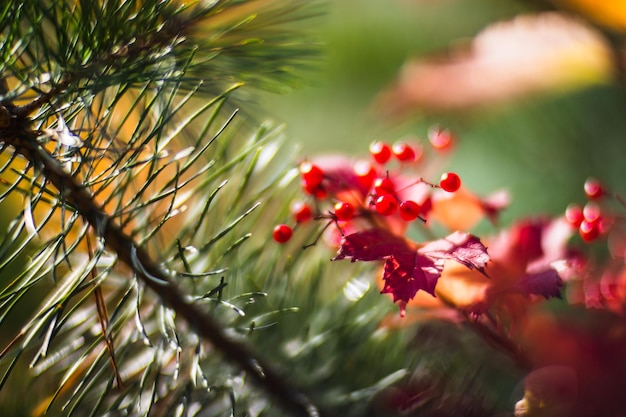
529	259
463	209
546	283
543	53
371	245
408	270
463	248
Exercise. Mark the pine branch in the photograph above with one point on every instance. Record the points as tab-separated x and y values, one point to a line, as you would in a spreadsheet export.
151	273
82	62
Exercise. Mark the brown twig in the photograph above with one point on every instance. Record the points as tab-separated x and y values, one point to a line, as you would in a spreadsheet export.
103	318
22	112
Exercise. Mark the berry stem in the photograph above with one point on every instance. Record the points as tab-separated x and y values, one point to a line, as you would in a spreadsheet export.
420	180
320	233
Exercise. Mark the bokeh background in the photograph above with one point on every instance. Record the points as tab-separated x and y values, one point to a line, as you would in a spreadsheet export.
541	147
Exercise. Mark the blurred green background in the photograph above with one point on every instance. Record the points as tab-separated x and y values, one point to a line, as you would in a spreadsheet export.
541	148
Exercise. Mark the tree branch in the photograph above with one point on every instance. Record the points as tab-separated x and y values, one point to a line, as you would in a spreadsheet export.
153	275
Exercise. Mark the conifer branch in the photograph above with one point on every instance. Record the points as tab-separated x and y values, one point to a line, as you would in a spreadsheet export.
153	275
97	65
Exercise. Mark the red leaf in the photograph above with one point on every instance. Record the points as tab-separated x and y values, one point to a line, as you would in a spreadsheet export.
494	204
371	245
461	247
407	273
408	270
546	283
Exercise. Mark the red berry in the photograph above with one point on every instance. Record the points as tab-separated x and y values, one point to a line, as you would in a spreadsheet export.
386	204
450	182
365	173
311	174
593	189
589	231
574	215
344	211
404	152
605	224
384	186
409	210
282	233
301	212
381	152
318	191
440	139
591	212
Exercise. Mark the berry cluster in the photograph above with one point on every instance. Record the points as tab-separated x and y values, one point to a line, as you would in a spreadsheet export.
373	190
597	217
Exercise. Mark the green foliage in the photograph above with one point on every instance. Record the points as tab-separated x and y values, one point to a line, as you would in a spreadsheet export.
127	167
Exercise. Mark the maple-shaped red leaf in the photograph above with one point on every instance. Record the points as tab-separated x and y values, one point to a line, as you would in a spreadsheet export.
407	273
408	270
464	248
371	245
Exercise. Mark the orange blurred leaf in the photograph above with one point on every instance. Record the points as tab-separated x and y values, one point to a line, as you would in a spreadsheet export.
529	54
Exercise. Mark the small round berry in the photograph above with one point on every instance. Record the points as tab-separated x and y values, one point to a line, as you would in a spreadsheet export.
589	231
593	189
384	186
404	152
574	215
591	212
365	173
409	210
450	182
440	139
386	204
381	152
311	173
301	212
282	233
318	191
344	211
605	224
